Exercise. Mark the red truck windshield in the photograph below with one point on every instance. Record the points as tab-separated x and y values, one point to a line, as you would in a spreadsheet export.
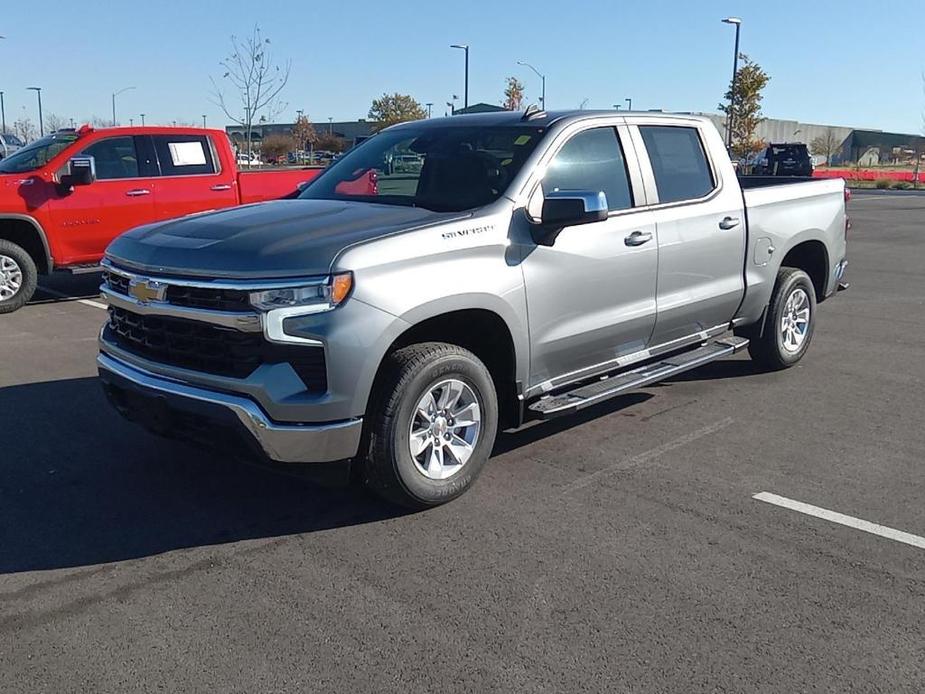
37	154
447	169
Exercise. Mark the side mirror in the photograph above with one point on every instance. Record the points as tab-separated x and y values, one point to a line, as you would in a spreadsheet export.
81	171
566	208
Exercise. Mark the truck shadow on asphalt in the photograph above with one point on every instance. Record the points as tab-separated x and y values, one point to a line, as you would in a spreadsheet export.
79	486
64	287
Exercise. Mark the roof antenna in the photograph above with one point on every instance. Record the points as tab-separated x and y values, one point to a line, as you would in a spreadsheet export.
533	111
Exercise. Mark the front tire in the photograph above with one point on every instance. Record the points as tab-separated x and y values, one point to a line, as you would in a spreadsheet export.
18	277
432	424
790	322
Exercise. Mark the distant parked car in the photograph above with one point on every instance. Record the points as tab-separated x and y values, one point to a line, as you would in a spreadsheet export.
243	160
9	143
785	159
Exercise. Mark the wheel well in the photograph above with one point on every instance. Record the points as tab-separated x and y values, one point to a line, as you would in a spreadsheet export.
26	236
485	334
812	258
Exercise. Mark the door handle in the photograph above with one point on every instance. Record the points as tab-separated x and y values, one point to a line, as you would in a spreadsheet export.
729	222
134	193
637	238
221	186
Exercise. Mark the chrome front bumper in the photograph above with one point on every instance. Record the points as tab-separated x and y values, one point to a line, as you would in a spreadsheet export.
284	443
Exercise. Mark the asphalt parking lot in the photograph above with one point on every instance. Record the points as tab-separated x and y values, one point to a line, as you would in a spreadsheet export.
620	550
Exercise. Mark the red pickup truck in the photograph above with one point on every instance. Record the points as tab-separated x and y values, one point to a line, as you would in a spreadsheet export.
64	197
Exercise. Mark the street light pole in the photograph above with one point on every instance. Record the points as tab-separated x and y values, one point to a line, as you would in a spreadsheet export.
330	125
114	95
735	71
542	79
203	120
616	107
464	47
2	114
629	104
38	90
429	106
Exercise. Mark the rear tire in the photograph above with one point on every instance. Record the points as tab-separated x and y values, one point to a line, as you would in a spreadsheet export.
789	324
431	425
18	277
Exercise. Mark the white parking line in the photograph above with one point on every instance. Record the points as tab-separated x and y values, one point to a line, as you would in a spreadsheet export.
85	302
842	519
645	457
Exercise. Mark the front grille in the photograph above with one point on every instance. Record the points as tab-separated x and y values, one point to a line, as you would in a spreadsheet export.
234	300
210	348
117	283
229	300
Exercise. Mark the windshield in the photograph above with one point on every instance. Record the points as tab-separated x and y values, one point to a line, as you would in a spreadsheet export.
445	169
11	139
37	154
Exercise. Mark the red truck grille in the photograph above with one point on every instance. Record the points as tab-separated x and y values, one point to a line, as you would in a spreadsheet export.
209	348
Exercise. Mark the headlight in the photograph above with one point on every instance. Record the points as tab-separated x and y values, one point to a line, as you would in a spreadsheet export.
322	296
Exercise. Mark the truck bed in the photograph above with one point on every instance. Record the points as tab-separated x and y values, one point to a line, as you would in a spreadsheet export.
259	186
782	212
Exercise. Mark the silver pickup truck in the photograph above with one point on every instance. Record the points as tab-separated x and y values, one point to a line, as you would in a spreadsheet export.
534	264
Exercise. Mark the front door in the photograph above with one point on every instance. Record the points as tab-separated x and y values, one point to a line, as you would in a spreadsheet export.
121	197
591	295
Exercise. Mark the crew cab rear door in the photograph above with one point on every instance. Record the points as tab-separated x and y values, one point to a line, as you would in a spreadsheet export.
192	177
591	295
121	197
699	213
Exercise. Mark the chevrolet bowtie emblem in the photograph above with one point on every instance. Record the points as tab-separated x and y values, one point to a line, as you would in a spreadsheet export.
146	291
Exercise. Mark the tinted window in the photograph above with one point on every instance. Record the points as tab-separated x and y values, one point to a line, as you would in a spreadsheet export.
798	152
591	161
184	155
678	162
444	168
36	154
115	158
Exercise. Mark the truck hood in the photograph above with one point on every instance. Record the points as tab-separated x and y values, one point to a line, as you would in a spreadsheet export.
285	238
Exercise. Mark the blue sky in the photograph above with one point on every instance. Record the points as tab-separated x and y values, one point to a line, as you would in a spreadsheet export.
847	63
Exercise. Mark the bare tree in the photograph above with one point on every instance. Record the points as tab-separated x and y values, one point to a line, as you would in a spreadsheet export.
254	81
24	129
826	145
54	122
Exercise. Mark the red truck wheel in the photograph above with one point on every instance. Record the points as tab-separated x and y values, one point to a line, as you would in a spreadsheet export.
18	277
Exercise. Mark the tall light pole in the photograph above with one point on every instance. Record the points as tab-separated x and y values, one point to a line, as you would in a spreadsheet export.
142	118
629	104
114	95
429	105
616	107
735	69
464	47
330	125
542	77
203	120
38	91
